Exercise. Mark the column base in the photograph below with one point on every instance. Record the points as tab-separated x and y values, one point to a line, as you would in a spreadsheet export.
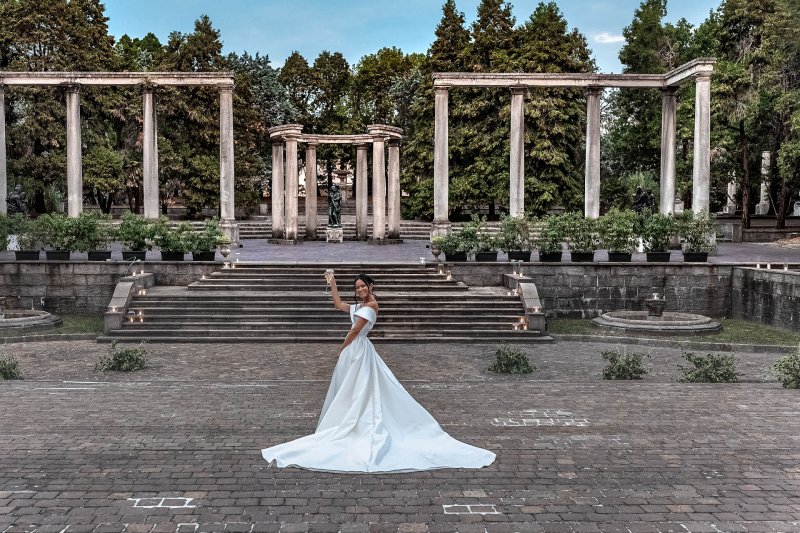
384	241
440	228
334	234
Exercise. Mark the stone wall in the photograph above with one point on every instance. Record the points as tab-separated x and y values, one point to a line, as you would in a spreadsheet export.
82	288
767	296
588	290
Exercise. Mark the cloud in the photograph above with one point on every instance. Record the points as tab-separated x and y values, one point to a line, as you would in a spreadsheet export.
606	38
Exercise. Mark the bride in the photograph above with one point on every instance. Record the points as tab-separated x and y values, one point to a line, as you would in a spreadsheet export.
369	423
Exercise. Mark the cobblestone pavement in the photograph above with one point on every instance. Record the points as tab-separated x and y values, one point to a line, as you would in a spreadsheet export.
176	447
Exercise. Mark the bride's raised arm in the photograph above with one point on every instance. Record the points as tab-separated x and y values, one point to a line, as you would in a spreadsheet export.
337	301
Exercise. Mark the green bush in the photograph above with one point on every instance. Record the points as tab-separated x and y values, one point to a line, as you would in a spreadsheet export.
21	226
125	360
551	236
55	230
624	365
208	239
173	239
618	229
91	231
9	368
787	369
135	233
710	368
657	230
515	234
698	231
511	361
581	232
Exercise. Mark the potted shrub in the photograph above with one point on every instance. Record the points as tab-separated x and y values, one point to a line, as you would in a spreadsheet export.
486	246
550	240
617	230
136	235
657	229
93	233
203	245
21	227
698	236
451	246
582	238
514	238
56	232
174	242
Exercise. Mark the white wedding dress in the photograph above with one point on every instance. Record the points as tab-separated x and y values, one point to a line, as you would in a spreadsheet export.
369	423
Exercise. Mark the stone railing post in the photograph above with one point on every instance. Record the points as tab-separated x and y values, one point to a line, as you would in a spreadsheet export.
701	169
311	191
516	205
393	196
227	217
74	164
362	193
441	220
149	154
667	188
592	182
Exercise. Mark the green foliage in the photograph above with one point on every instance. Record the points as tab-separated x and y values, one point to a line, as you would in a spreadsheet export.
515	234
9	368
123	360
511	360
103	175
135	233
618	230
207	239
55	231
91	231
710	368
5	234
624	365
169	238
698	231
581	232
787	369
657	228
21	226
551	235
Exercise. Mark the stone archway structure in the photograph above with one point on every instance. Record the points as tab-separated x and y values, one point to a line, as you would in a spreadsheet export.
285	180
149	82
699	70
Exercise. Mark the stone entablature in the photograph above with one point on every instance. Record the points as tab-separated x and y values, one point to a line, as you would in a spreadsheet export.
207	79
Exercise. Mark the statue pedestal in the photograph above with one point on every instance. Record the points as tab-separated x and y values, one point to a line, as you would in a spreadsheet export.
334	234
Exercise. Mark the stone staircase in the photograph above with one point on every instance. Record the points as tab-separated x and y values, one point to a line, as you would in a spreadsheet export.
289	303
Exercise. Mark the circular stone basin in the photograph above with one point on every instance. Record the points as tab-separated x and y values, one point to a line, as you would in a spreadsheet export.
669	323
21	319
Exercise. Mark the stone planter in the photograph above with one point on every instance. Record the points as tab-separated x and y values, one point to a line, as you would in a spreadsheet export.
172	256
130	255
485	256
550	257
695	257
619	257
456	257
658	257
203	256
57	255
99	255
582	257
517	255
26	255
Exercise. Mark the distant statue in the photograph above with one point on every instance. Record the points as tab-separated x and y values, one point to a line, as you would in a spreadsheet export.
643	201
334	207
16	201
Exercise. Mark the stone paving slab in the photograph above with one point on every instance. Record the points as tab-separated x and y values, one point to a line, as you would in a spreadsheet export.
176	447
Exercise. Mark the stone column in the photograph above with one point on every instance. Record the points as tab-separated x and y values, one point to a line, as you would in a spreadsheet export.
311	191
762	207
378	188
667	188
441	220
277	190
361	192
701	170
292	178
516	205
74	166
393	195
227	216
592	182
150	155
730	205
3	176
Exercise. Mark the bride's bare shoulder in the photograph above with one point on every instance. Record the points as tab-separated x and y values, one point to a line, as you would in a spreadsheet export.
373	305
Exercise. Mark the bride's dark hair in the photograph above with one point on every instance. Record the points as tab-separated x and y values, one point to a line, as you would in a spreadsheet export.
367	280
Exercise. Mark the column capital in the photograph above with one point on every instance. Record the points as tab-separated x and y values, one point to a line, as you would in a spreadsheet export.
311	143
72	88
362	146
594	90
518	89
393	142
702	76
669	91
441	88
227	88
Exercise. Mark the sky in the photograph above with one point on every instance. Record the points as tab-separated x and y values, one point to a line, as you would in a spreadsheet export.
276	28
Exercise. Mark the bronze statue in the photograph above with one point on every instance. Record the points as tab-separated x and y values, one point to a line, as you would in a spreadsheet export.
15	203
334	207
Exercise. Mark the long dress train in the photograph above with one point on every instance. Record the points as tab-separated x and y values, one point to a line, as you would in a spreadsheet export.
370	423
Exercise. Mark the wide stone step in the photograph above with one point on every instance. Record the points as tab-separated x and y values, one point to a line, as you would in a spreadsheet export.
515	337
336	326
256	285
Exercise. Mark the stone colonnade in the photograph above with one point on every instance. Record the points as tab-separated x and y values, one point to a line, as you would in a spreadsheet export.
285	180
699	70
149	82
